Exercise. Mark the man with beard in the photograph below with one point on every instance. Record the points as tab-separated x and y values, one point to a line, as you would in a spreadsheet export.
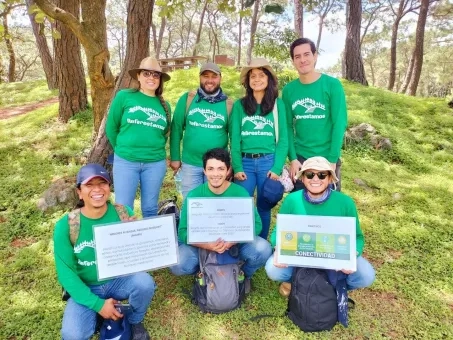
201	121
319	199
216	165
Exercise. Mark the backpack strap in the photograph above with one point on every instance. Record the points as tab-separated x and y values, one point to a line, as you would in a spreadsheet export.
229	105
74	225
190	96
275	113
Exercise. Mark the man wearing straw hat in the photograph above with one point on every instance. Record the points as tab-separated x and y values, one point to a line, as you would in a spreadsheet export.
201	121
316	111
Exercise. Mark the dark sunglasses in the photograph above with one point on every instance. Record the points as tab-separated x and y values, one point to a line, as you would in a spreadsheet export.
154	74
321	175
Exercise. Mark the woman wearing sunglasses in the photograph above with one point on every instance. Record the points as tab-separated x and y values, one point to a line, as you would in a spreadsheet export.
259	137
319	199
137	128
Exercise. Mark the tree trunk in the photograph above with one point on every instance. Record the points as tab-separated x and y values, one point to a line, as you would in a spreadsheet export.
418	49
10	49
408	76
298	18
200	26
92	34
139	19
321	24
253	26
44	52
343	54
391	83
72	95
238	62
353	58
158	40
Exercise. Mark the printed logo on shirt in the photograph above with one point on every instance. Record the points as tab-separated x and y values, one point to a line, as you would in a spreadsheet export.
310	106
81	246
209	118
259	123
152	120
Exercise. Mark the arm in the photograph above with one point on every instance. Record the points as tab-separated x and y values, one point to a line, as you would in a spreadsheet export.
290	126
258	223
360	240
177	128
235	137
182	228
281	150
65	263
113	124
285	208
169	123
339	118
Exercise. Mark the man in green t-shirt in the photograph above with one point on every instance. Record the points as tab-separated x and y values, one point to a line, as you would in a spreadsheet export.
216	164
75	263
201	121
316	111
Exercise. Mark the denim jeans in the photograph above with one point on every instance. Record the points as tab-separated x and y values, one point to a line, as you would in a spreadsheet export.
79	321
127	175
192	176
363	277
256	170
254	254
299	185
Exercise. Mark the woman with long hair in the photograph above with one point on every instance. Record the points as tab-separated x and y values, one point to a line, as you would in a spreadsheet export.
137	127
258	132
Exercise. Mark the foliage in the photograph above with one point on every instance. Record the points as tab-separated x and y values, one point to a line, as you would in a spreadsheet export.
275	45
405	214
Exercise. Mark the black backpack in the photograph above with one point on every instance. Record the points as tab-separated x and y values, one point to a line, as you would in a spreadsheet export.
219	286
312	303
169	206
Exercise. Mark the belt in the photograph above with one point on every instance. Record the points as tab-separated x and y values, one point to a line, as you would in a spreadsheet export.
254	155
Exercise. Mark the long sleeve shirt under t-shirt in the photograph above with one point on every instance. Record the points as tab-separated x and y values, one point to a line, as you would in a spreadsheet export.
316	117
204	127
256	134
76	264
137	126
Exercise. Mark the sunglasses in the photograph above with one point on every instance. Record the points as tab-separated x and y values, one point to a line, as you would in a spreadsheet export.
154	74
321	175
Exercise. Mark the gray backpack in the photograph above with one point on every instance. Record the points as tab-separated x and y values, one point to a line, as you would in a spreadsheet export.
219	286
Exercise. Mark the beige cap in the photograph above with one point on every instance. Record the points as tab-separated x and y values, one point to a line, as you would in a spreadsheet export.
318	163
149	64
257	63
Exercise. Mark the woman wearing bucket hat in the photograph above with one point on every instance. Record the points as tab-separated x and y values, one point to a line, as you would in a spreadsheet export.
259	138
318	199
137	127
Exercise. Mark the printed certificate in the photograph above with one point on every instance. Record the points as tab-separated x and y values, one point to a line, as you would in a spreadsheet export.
129	247
231	219
316	241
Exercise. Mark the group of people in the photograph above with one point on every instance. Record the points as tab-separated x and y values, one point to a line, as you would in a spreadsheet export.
227	150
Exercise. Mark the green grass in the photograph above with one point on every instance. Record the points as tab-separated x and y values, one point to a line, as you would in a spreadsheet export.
408	238
19	93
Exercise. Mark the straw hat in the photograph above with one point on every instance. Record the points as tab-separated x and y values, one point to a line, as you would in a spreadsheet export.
256	63
149	64
318	163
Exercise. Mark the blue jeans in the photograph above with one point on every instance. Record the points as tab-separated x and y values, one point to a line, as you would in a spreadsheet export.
363	277
192	176
254	254
79	321
127	175
256	170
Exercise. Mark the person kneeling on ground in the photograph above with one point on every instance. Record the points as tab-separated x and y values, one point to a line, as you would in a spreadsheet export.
320	200
76	263
216	164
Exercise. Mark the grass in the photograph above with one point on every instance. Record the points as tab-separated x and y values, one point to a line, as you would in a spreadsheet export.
19	93
406	217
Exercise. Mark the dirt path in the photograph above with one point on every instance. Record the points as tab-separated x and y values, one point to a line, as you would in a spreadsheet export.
20	110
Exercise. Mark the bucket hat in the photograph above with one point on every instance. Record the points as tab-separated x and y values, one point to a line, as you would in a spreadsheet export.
149	64
256	63
271	194
318	163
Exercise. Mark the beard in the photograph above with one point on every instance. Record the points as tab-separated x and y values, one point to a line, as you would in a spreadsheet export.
209	92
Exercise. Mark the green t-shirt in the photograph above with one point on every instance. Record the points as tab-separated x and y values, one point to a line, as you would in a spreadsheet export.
204	127
338	204
137	126
76	265
203	191
256	134
316	117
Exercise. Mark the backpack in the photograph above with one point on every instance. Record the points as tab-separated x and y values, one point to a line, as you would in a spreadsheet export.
115	330
219	286
312	303
169	206
74	230
191	95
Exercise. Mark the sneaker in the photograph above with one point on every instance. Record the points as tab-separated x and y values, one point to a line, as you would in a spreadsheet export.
139	332
284	289
247	285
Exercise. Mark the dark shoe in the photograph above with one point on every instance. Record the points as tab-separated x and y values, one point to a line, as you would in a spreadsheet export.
139	332
247	285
